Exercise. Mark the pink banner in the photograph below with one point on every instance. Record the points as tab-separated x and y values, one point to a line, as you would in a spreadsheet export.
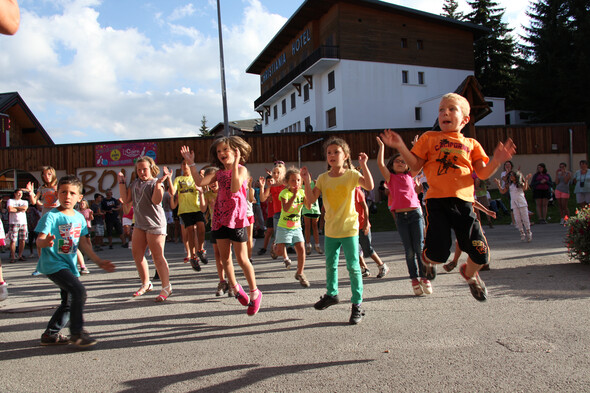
122	154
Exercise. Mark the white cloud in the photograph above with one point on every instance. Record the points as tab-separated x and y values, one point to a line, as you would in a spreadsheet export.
182	12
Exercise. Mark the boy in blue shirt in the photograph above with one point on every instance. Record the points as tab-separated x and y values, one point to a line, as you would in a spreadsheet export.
61	232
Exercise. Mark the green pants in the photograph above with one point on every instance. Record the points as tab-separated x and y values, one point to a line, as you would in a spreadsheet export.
351	252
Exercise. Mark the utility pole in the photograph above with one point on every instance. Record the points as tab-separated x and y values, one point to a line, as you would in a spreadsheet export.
222	66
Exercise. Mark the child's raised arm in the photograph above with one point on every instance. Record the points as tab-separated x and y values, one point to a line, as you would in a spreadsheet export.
239	174
310	195
198	176
123	190
158	193
366	179
502	153
381	160
394	140
503	190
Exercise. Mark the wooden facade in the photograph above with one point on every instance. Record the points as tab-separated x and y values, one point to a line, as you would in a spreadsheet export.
529	139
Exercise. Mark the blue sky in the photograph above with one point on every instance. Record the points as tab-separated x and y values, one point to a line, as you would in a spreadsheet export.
110	70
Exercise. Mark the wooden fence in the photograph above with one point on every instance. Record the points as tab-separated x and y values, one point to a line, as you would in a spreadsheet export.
529	139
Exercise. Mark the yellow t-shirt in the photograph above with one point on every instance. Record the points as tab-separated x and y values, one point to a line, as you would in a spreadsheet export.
338	196
449	163
188	196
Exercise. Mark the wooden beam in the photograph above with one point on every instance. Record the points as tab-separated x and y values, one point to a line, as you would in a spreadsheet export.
267	108
309	79
297	87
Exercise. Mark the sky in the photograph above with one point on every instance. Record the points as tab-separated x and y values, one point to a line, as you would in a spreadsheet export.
114	70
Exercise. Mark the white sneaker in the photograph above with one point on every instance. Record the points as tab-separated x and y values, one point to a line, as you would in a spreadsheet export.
3	291
308	249
529	236
522	237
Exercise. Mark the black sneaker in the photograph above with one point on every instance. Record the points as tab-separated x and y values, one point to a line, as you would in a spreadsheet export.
262	251
125	245
429	271
203	257
326	301
476	285
54	339
82	339
195	265
356	315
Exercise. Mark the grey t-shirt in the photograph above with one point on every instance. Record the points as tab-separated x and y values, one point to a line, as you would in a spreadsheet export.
148	217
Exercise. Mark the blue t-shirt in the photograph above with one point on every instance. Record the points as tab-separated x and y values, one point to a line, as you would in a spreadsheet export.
67	231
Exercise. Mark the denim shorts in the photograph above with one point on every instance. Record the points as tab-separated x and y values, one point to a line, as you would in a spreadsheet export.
288	236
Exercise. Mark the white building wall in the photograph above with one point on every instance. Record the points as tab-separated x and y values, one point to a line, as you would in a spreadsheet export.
370	95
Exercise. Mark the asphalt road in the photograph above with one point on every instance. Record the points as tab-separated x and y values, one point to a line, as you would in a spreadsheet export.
532	335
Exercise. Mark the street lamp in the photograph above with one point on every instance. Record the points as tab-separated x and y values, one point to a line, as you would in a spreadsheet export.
222	66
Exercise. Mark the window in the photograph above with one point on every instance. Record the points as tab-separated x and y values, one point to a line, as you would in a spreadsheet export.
420	44
404	76
307	123
266	118
306	93
292	100
418	113
420	78
331	117
404	42
283	106
331	81
275	112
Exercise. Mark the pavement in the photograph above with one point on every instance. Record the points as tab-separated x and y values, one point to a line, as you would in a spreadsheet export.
532	335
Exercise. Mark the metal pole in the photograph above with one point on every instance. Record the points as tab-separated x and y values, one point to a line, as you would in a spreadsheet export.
571	149
222	66
301	147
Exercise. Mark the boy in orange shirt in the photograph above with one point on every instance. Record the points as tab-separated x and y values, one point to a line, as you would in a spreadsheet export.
448	159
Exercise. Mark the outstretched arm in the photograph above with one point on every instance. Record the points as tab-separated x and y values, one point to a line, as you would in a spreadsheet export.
366	179
394	140
502	153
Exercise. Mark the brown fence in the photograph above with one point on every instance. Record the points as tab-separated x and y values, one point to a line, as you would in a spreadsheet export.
529	139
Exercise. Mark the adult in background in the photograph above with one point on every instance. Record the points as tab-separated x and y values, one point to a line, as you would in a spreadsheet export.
582	182
563	179
17	221
111	207
541	184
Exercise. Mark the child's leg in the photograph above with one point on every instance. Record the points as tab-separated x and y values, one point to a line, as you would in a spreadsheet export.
307	222
332	250
73	298
200	235
224	247
525	222
404	229
350	246
279	248
139	241
250	242
80	259
362	263
519	214
156	244
300	249
218	264
241	250
315	231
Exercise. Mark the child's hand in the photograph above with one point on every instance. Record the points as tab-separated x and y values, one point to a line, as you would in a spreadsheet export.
238	156
48	241
305	175
30	188
106	265
272	181
121	177
416	137
391	138
188	155
528	177
505	151
363	158
497	182
166	171
380	143
262	181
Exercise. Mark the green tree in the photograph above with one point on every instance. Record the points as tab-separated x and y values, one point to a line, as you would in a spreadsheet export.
205	131
555	74
450	10
495	52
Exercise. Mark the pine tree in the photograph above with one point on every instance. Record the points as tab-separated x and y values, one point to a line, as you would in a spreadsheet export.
556	73
450	10
495	53
204	129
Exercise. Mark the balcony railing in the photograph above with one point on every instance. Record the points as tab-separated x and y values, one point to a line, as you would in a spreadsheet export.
329	52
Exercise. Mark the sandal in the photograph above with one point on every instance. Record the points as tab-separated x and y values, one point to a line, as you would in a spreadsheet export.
186	259
144	288
168	290
22	258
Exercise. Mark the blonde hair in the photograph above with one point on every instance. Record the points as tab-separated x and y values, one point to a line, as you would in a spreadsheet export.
462	101
291	171
50	169
153	167
234	142
345	148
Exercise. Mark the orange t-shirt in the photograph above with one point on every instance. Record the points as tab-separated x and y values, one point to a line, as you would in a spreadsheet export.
449	163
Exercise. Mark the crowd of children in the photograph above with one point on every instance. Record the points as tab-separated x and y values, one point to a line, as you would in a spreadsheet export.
225	195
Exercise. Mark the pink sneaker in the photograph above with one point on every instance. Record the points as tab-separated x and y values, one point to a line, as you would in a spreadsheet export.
416	287
241	295
254	305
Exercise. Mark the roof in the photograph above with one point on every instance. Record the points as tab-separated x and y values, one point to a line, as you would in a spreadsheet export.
314	9
9	100
244	126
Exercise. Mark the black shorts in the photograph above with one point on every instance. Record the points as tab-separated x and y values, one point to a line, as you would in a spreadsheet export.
312	215
444	214
112	227
239	235
269	222
541	194
190	219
